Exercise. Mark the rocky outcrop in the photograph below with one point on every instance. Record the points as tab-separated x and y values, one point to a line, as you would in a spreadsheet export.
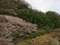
10	25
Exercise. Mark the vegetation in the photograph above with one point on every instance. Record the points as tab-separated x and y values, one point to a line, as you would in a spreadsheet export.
41	40
45	21
8	11
49	19
33	35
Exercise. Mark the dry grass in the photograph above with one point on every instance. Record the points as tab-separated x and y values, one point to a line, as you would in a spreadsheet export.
41	40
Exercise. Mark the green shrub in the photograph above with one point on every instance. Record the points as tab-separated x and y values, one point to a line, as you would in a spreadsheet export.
2	11
11	12
46	29
50	18
8	11
53	19
33	16
33	35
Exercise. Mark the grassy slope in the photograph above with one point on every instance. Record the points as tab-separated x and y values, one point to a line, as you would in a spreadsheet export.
46	39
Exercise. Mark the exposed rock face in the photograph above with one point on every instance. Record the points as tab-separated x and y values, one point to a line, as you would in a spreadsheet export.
12	25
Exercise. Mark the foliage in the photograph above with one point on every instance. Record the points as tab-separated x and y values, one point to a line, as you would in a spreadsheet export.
8	11
46	29
40	40
49	18
46	21
2	11
20	9
33	35
53	19
11	12
26	36
32	16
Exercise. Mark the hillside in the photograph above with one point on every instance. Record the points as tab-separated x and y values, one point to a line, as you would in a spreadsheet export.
29	28
52	38
22	25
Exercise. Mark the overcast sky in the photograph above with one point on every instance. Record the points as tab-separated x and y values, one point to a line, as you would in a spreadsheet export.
45	5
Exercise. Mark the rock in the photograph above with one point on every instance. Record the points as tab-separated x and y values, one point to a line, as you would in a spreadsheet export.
13	25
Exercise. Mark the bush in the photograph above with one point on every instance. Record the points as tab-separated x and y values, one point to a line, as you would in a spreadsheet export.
33	35
33	16
11	12
2	11
50	18
8	11
46	29
53	19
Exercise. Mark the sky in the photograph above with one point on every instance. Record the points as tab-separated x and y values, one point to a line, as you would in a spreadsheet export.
45	5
